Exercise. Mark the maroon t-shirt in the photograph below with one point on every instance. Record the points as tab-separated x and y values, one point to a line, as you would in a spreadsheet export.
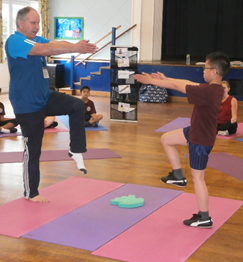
90	108
225	111
207	100
2	112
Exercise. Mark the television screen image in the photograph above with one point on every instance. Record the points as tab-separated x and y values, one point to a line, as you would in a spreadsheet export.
68	28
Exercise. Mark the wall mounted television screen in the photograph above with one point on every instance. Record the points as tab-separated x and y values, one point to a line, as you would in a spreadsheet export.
69	28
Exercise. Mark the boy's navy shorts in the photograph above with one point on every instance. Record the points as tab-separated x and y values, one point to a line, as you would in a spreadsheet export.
198	155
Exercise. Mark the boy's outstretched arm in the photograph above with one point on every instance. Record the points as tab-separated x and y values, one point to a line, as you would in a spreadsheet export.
172	83
161	76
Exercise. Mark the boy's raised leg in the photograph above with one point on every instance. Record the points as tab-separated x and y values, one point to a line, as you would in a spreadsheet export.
169	142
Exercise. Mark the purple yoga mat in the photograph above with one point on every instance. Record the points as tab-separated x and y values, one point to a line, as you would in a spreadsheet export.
227	164
10	134
179	122
97	222
59	155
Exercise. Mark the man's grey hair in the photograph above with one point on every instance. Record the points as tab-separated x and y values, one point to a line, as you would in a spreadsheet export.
22	13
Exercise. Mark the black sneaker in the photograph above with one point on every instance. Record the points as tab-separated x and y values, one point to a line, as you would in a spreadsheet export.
53	124
197	221
13	130
172	180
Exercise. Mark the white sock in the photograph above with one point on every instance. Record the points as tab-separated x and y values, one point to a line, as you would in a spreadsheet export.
78	158
3	130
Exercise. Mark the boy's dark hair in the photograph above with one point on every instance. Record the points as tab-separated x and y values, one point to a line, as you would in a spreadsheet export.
220	61
84	87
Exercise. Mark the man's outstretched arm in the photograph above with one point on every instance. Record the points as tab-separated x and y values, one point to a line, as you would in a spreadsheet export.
62	47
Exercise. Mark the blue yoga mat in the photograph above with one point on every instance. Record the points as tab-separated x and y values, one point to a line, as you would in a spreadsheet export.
65	121
239	139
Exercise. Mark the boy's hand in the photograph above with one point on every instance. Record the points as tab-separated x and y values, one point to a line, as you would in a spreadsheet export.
159	75
143	78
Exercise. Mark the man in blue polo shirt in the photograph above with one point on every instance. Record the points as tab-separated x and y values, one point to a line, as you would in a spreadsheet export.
32	99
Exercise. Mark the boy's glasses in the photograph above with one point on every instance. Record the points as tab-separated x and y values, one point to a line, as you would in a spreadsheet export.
208	68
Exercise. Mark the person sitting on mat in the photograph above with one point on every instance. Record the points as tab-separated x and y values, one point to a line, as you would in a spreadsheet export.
227	120
200	135
91	118
7	125
49	122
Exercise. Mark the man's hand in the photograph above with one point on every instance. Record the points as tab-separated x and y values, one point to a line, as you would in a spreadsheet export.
85	47
143	78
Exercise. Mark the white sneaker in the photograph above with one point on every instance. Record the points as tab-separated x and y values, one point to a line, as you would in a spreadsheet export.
223	133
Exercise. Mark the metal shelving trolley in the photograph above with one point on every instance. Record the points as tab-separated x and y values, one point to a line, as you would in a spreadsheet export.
124	89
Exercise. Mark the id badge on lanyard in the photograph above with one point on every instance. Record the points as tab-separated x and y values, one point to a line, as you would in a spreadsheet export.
44	69
45	72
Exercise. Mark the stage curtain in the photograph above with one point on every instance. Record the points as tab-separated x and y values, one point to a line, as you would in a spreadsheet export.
198	27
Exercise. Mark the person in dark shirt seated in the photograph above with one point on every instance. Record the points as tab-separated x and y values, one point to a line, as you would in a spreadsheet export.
91	118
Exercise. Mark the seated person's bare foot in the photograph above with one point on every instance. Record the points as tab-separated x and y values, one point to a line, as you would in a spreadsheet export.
97	118
39	199
92	122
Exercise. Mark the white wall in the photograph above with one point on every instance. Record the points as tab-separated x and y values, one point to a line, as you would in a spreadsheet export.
99	18
101	15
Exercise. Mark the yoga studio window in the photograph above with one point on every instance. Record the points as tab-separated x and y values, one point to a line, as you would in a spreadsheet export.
9	12
200	27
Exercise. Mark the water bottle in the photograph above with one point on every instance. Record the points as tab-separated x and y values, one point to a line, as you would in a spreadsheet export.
188	59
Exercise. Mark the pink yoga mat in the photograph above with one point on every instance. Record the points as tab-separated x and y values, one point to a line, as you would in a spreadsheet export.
59	155
22	216
55	130
163	237
237	134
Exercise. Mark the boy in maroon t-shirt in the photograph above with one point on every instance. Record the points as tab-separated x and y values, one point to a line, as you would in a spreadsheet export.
200	135
91	118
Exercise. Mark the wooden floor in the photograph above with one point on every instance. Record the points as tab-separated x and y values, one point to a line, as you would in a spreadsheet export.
143	162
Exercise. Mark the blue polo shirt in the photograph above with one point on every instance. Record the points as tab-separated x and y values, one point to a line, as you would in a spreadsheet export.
29	90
